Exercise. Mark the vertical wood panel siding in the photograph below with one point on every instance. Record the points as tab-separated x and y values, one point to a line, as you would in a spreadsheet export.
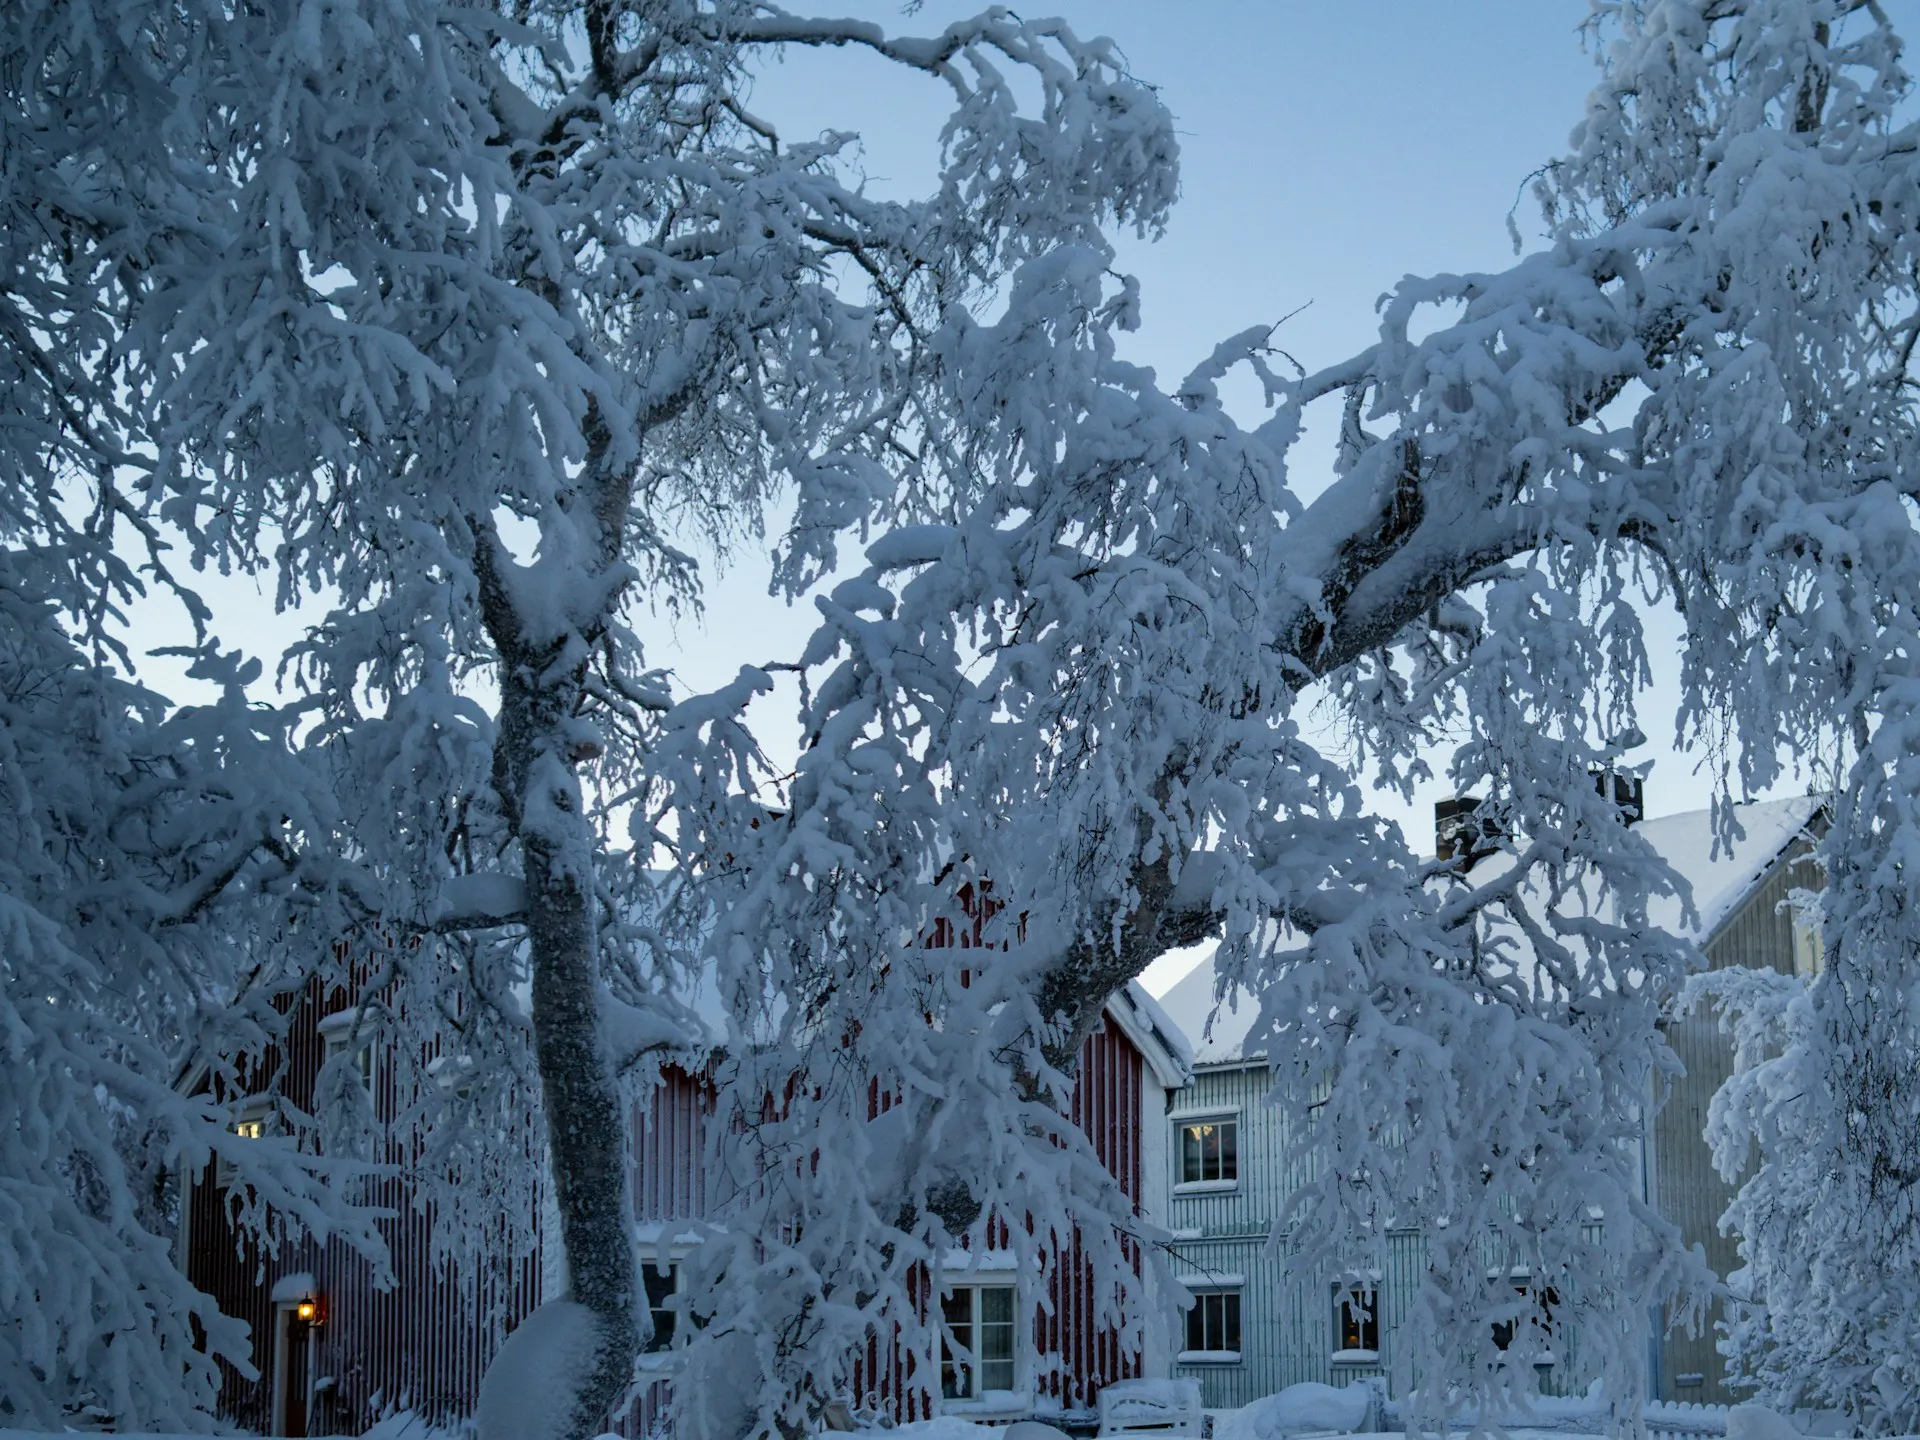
425	1343
1286	1325
1073	1353
1106	1107
422	1344
1689	1191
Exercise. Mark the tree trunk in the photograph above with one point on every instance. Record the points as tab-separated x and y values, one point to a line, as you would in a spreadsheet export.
585	1130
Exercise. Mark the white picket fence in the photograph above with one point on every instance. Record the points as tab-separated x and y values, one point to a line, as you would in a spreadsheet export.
1679	1420
1665	1420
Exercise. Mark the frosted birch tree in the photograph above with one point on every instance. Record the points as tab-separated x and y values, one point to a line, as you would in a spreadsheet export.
476	323
1078	681
154	857
496	307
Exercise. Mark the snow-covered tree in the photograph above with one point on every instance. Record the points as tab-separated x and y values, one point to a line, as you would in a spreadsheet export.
464	319
480	312
1813	207
1078	679
151	860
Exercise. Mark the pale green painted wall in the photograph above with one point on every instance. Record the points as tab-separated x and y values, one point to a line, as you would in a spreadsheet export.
1287	1328
1686	1187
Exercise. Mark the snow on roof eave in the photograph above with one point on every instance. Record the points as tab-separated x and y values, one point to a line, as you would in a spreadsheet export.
1138	1016
1237	1060
1736	898
1220	1031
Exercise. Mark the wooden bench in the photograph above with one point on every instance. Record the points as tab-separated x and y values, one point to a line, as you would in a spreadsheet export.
1157	1407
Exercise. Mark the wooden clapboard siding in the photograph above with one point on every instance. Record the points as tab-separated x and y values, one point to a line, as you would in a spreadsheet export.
1756	934
1072	1352
1286	1325
1229	1233
1106	1106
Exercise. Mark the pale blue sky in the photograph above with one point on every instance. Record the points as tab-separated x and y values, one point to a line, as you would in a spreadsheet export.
1328	149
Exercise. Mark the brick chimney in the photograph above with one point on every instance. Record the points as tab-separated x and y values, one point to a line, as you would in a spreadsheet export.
1461	833
1627	789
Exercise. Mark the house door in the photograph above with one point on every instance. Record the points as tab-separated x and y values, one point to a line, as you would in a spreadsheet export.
292	1371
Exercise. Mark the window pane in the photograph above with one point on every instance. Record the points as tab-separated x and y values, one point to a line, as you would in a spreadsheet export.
1210	1152
1229	1149
956	1374
996	1338
660	1288
996	1306
1190	1152
1214	1321
1358	1320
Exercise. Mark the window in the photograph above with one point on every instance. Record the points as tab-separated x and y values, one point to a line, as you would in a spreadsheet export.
1213	1325
453	1074
1809	946
350	1032
1356	1322
977	1353
1546	1301
1210	1151
661	1287
250	1124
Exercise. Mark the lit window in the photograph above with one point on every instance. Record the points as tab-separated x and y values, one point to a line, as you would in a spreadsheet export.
1209	1151
251	1124
976	1355
1213	1324
661	1286
1356	1321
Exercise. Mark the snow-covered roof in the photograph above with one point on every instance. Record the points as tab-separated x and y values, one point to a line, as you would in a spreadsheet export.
1219	1038
1154	1034
1720	881
1131	1009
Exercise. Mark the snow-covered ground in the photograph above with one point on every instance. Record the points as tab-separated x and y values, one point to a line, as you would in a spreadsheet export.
397	1427
1302	1412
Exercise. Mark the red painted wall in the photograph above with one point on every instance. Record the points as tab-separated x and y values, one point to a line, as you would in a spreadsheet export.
425	1344
421	1345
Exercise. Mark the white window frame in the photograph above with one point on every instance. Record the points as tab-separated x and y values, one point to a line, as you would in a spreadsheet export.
1365	1283
349	1031
681	1240
1181	1121
1809	943
973	1285
1217	1287
675	1273
452	1074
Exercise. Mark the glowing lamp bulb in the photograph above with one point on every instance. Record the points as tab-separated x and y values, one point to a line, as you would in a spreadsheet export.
306	1309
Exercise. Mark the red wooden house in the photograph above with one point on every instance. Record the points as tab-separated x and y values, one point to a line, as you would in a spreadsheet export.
334	1354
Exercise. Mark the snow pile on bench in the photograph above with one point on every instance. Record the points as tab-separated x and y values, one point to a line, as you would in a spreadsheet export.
1158	1407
